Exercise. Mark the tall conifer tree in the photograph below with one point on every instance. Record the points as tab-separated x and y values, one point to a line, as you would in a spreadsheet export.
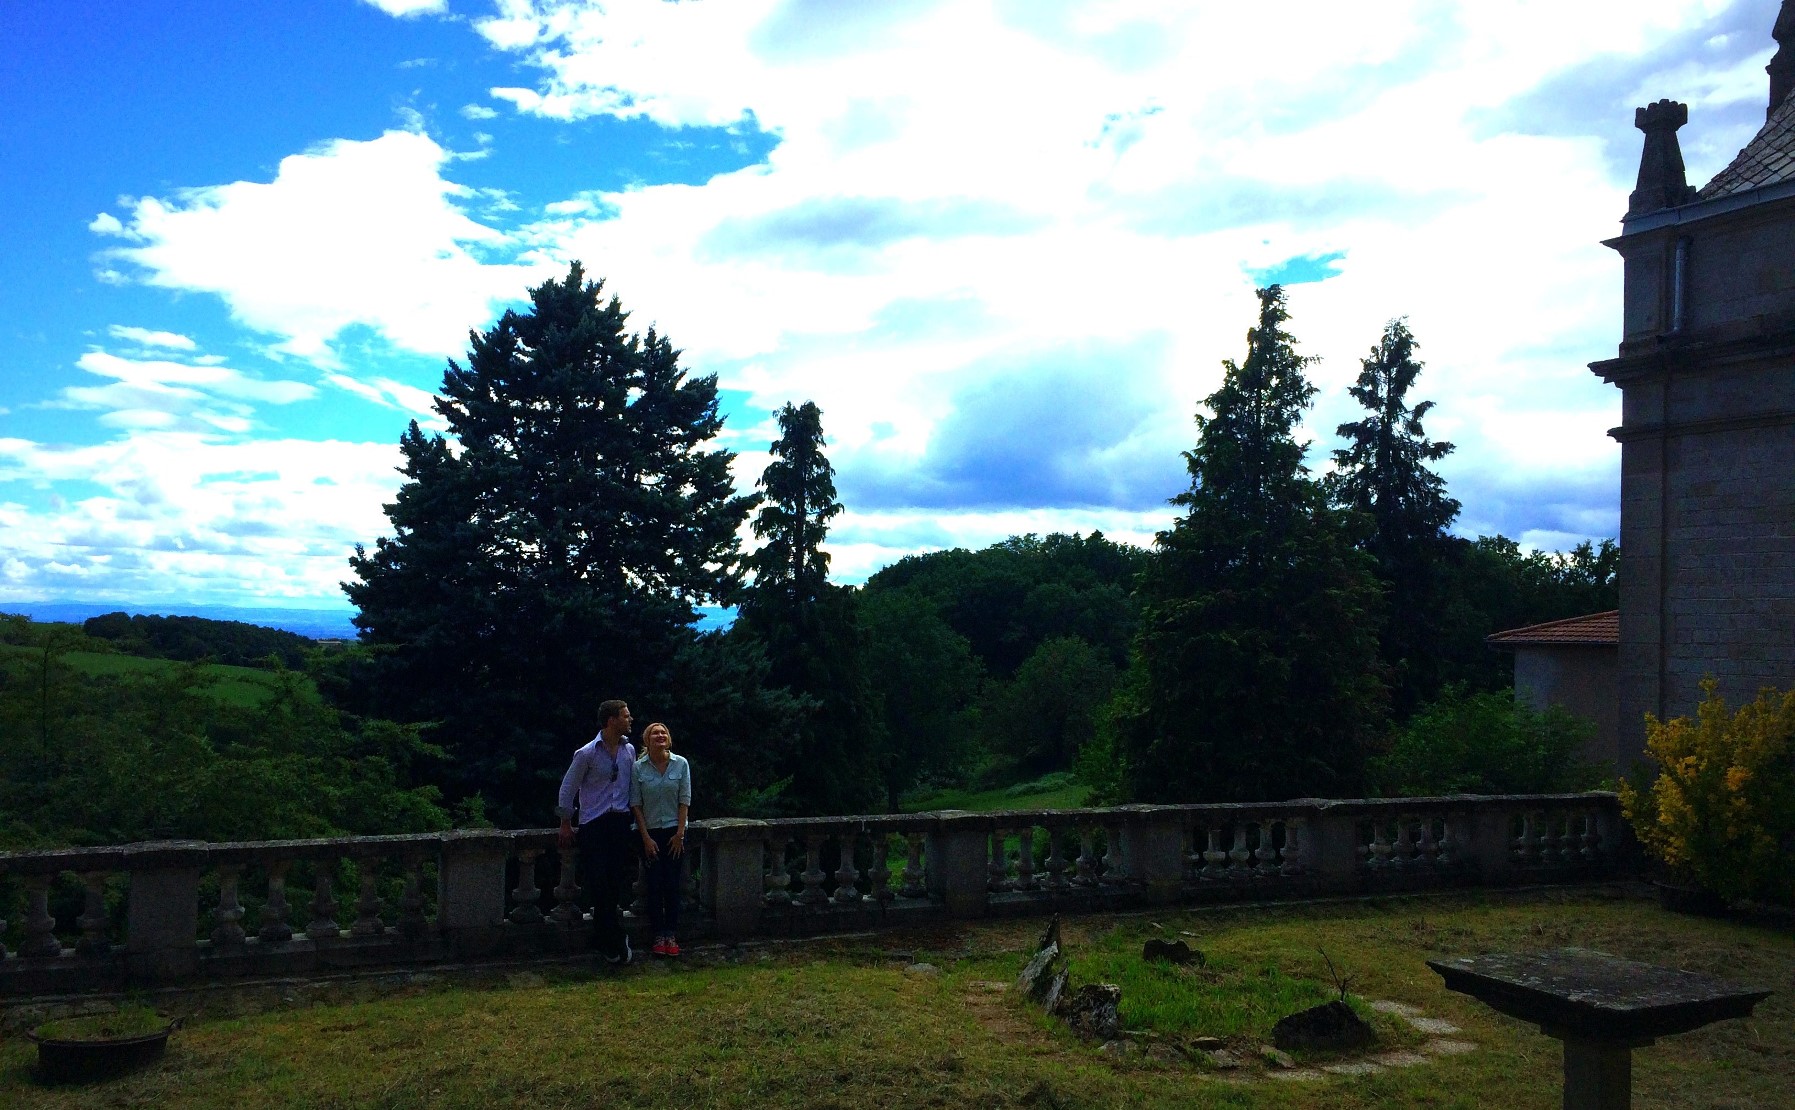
1383	474
1255	673
810	629
554	555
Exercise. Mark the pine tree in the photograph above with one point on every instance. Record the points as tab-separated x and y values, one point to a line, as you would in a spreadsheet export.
1255	672
554	554
1383	474
810	629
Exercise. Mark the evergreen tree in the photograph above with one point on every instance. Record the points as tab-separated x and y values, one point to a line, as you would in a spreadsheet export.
1383	473
1255	673
809	629
552	558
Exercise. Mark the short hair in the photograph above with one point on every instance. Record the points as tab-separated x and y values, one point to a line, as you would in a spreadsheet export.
609	709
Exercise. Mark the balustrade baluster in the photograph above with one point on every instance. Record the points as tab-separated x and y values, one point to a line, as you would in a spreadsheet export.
1237	867
567	888
1292	856
1056	863
1550	838
778	876
323	925
528	910
92	921
915	884
1265	856
1564	849
1025	858
273	927
40	927
228	933
997	870
1113	871
814	876
1525	849
1448	854
367	907
697	858
1086	874
1402	853
847	875
1591	838
880	872
1428	849
1214	857
1380	848
412	924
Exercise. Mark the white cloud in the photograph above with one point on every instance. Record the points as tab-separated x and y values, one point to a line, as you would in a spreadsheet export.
405	9
184	517
478	111
144	337
193	397
365	233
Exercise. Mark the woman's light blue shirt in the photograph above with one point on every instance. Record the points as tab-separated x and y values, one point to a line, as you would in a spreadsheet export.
661	793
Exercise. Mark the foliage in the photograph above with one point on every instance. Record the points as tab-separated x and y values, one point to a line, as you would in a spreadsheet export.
111	758
193	638
1383	473
1049	710
810	629
1492	585
1009	598
554	555
925	677
1485	743
126	1021
1255	674
1721	811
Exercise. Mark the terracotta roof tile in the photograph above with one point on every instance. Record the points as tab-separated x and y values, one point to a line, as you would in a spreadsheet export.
1766	160
1594	629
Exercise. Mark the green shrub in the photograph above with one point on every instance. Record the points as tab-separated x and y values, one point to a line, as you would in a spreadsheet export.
1721	811
1486	744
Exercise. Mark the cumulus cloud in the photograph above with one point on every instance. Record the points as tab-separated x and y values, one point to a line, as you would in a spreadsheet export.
406	9
178	516
194	397
144	337
366	233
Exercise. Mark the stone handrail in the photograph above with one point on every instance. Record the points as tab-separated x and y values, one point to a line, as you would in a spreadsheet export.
175	911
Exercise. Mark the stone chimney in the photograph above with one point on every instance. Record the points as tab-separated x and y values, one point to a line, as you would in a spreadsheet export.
1782	65
1662	183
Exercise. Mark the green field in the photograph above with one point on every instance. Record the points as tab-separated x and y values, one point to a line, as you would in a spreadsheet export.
1051	794
243	686
855	1023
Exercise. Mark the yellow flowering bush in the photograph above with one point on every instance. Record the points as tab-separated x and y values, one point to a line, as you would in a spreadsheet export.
1721	811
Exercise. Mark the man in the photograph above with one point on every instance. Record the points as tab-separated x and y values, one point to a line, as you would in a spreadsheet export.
596	788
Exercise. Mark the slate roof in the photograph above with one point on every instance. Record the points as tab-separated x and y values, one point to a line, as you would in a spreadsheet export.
1594	630
1766	160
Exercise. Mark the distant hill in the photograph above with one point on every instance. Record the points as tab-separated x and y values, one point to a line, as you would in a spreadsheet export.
316	624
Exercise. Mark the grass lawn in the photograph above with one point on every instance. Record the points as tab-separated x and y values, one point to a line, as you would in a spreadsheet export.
842	1023
1070	795
244	686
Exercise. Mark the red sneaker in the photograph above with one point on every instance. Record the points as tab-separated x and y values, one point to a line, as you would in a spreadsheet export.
671	948
660	947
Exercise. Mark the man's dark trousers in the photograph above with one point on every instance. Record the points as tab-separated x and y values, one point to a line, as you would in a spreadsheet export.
607	850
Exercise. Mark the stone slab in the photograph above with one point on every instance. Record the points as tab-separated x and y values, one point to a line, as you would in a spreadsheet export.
1595	996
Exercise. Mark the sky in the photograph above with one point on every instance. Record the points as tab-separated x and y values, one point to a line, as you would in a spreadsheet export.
1005	246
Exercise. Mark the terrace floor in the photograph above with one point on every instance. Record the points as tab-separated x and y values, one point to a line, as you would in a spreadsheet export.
855	1022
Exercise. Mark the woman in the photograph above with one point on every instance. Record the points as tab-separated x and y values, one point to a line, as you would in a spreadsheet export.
660	795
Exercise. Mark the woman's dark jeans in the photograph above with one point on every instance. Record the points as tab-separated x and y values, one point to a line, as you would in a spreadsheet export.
665	873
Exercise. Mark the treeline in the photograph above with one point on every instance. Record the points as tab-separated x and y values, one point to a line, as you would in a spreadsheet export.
195	638
1276	641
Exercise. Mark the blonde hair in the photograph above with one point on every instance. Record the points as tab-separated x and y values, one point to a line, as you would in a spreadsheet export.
663	727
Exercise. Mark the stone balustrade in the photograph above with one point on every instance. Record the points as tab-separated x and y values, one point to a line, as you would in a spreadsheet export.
184	911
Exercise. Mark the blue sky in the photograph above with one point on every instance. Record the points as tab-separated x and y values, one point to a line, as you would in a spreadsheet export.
1005	244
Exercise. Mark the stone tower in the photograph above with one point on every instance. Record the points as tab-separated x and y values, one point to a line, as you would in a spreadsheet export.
1706	369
